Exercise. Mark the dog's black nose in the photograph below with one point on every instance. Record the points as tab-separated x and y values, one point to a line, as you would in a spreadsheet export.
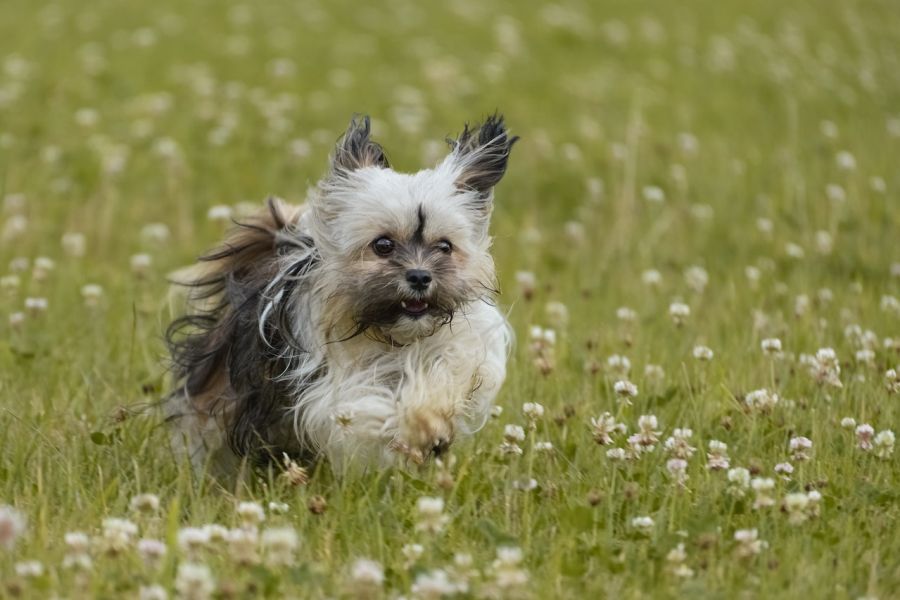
440	447
418	279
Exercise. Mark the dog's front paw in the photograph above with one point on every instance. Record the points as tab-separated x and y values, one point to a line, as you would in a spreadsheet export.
423	433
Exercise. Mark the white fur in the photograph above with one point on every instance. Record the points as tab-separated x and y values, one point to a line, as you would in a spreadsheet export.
389	398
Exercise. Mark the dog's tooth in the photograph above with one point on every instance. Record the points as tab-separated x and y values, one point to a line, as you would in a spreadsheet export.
403	303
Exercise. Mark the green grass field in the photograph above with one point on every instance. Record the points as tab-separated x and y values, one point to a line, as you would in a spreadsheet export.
737	158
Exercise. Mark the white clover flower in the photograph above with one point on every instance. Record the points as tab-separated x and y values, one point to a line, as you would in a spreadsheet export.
279	508
36	306
892	381
155	233
145	503
220	213
617	454
431	517
194	581
835	193
604	427
243	545
557	314
250	513
152	592
643	525
74	244
848	423
653	194
824	242
739	477
514	433
864	435
217	534
678	444
367	575
412	553
280	544
696	278
533	411
795	505
92	294
12	526
825	368
884	443
763	487
527	283
717	457
753	275
618	365
702	353
647	437
506	570
784	469
761	400
29	569
771	346
845	161
193	539
140	264
151	551
433	585
890	304
651	278
543	446
748	543
654	374
679	312
625	314
677	468
625	390
800	448
117	535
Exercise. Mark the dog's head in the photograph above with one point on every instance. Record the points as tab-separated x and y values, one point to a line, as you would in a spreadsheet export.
404	252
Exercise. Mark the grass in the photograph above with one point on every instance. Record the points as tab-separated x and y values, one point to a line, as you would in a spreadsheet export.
118	115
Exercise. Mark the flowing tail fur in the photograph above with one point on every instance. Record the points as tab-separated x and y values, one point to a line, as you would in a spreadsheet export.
234	343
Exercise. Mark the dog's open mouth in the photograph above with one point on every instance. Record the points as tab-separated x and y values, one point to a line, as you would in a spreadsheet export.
414	308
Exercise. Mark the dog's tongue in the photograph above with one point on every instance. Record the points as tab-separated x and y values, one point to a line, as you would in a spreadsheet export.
414	306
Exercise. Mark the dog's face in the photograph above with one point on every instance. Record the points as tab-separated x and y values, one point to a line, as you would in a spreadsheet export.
404	252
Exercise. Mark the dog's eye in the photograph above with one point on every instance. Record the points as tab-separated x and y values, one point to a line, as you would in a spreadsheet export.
383	246
444	246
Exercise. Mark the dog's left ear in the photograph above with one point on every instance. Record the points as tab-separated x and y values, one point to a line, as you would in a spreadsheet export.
356	150
481	154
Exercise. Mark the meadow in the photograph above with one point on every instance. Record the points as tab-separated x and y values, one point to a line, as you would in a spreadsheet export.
697	243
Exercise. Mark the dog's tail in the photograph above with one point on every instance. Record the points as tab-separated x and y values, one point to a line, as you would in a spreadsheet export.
232	337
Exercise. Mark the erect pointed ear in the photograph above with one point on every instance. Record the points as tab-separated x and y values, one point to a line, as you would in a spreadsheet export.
356	150
481	154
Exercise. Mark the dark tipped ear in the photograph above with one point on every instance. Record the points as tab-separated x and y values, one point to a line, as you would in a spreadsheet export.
482	153
355	149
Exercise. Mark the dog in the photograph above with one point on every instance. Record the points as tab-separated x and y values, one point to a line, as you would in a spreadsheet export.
361	326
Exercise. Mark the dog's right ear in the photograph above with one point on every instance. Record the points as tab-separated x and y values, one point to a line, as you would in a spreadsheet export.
356	150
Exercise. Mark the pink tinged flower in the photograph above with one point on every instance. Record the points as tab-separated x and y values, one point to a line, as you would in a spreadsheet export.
12	526
864	435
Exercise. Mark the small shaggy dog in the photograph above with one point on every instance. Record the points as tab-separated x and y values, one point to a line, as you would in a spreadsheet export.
360	326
